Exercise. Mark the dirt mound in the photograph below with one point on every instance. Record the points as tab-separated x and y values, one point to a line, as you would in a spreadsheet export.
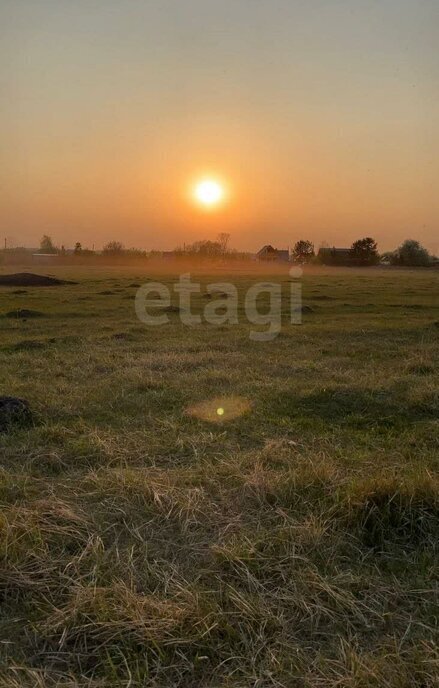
29	279
13	411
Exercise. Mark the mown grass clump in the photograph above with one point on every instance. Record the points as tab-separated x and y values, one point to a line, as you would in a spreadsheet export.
394	512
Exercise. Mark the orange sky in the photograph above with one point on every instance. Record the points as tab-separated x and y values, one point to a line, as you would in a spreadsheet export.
322	118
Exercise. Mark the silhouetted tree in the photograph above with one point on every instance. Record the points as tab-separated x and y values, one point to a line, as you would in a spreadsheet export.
411	253
365	252
46	245
303	250
204	248
223	240
78	248
113	248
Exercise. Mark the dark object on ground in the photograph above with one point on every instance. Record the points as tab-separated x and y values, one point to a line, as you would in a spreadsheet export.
107	292
20	291
24	313
29	279
304	309
13	411
134	285
172	309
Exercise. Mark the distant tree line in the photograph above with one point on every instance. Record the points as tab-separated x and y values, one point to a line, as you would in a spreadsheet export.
207	249
364	252
112	249
116	248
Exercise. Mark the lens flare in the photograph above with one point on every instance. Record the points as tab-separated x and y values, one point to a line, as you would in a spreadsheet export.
219	409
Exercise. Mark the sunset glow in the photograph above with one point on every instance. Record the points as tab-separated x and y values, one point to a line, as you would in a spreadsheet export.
209	193
273	121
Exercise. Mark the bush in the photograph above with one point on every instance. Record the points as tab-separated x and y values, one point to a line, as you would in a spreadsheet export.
411	253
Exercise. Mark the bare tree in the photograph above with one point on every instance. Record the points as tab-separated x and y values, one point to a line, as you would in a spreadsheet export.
113	248
223	239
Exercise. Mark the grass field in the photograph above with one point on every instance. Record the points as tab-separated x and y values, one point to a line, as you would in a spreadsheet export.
147	541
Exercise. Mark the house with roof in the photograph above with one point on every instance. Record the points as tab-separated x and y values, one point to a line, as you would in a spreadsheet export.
268	253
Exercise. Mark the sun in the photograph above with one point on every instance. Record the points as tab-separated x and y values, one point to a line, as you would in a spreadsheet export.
209	193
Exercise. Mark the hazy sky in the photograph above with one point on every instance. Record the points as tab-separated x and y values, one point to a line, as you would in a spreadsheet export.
321	116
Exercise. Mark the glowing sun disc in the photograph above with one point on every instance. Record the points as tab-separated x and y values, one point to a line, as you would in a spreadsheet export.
209	192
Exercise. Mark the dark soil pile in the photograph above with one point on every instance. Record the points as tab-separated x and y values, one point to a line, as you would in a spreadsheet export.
13	411
29	279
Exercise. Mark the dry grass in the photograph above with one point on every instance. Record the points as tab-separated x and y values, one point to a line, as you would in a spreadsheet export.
147	541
